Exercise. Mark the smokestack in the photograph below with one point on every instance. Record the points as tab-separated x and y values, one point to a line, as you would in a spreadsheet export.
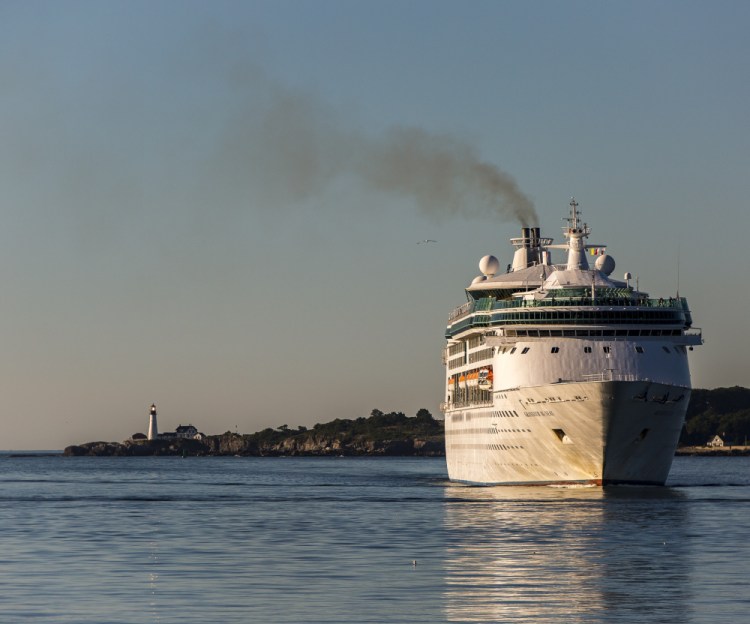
528	249
530	237
521	256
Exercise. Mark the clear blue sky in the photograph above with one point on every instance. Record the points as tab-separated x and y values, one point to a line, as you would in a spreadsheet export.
200	208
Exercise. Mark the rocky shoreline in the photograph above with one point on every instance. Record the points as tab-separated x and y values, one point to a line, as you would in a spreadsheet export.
719	451
230	444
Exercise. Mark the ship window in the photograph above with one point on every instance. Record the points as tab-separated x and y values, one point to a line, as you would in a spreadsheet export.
554	349
607	349
639	349
525	350
513	350
562	436
666	349
587	349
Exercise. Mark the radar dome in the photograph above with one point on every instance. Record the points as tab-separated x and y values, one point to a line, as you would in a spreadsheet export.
605	264
489	265
479	278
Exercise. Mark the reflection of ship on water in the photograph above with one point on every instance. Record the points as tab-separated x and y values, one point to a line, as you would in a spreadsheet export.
524	554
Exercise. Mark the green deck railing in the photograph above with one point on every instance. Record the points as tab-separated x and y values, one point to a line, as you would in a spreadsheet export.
564	299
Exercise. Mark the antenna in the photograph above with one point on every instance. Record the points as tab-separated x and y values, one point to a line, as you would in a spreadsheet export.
574	212
574	225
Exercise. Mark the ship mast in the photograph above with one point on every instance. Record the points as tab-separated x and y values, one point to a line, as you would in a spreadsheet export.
575	233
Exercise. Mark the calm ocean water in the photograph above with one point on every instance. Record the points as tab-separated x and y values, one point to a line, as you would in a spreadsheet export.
333	540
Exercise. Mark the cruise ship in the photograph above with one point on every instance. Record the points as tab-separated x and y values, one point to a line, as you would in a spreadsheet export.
562	374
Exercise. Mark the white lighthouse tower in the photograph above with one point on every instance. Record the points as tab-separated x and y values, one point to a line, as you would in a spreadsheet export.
153	429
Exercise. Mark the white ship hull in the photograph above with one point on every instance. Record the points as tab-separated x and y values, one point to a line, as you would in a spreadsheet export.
574	378
595	433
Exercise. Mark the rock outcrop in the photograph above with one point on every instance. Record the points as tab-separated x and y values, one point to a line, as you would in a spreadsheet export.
131	448
244	445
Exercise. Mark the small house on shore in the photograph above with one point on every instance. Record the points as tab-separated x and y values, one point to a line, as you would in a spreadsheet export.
715	442
187	432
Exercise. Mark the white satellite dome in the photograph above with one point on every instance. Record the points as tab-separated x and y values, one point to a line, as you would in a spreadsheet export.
479	278
489	265
605	264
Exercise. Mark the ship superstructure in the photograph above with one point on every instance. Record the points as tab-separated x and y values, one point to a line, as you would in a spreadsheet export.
561	374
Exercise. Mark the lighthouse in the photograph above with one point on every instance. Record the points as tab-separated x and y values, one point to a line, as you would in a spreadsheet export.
153	430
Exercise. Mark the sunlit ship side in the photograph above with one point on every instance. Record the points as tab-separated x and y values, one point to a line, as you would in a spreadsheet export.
560	374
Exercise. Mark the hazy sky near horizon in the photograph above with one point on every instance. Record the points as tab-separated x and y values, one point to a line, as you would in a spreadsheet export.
215	206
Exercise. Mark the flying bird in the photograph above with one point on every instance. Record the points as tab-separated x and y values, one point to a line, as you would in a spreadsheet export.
426	240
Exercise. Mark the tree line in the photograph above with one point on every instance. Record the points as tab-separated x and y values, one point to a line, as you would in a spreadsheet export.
377	427
721	411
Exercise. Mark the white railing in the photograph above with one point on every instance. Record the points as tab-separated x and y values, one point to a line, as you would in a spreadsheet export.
444	407
607	375
461	310
694	336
